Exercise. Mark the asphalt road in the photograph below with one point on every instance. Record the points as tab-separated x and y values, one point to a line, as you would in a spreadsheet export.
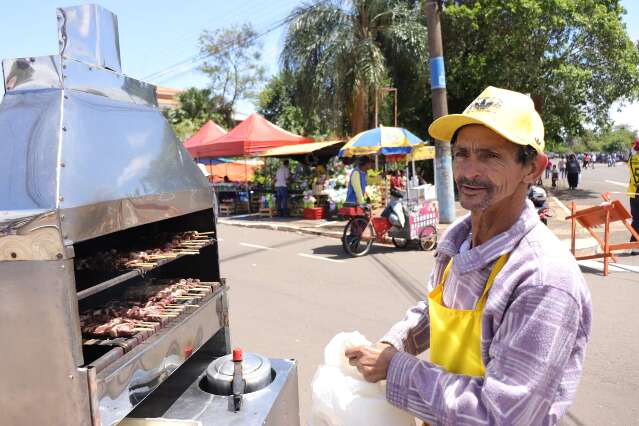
291	293
595	182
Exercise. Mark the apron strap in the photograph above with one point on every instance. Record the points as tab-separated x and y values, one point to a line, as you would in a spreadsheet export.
491	278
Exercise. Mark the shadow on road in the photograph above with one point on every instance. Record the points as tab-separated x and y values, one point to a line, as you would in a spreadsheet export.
337	252
571	419
577	194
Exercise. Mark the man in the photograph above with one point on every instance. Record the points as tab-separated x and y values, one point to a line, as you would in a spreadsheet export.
633	165
508	315
562	167
282	177
357	182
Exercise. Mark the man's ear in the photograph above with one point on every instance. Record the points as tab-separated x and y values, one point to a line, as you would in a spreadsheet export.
536	168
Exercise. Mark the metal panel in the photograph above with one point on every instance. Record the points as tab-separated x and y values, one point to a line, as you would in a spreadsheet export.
275	405
29	127
89	33
114	150
42	350
129	380
32	73
90	221
102	82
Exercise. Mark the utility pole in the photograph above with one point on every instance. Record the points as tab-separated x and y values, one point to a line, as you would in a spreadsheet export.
443	160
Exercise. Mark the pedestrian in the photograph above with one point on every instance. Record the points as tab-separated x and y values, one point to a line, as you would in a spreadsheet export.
586	160
357	183
572	171
509	314
396	181
548	169
555	176
282	176
633	187
562	167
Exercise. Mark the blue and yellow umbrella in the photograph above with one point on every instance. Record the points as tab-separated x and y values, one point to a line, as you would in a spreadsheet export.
382	140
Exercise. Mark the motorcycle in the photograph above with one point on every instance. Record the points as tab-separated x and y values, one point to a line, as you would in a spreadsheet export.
539	198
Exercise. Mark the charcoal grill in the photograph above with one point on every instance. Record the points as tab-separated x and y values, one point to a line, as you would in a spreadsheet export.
91	167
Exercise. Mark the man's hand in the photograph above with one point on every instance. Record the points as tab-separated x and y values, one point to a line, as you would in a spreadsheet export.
371	361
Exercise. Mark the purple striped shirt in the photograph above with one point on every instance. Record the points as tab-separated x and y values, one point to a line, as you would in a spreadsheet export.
535	327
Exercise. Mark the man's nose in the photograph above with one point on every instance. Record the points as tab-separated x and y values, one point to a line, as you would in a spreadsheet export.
470	169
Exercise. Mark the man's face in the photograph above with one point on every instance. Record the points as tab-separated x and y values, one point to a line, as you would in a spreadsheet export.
486	169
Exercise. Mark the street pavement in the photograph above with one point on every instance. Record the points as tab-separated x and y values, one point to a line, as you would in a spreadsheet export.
292	292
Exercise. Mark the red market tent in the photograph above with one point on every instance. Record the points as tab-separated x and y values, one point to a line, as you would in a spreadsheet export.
252	136
203	138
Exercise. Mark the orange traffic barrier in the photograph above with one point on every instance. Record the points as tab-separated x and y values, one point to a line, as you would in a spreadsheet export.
603	214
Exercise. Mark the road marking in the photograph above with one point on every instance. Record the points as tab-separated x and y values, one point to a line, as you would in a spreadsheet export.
312	256
562	205
256	246
617	183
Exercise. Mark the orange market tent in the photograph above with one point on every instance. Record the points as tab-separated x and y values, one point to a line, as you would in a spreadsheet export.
203	138
236	172
252	136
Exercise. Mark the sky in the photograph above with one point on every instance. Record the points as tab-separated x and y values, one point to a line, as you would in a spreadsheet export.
157	34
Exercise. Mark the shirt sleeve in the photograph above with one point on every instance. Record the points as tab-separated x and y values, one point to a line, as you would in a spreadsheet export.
528	356
357	186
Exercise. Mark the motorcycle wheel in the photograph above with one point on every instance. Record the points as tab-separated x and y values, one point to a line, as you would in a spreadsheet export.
400	242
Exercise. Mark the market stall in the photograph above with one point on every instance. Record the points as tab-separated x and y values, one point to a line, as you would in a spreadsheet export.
198	144
248	139
410	215
308	196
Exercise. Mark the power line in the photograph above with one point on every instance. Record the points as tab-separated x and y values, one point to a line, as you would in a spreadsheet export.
198	58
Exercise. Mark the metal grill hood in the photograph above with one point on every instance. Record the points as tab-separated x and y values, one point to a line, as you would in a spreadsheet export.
84	149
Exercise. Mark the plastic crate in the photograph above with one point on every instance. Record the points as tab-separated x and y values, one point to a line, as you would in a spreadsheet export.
314	213
381	225
351	211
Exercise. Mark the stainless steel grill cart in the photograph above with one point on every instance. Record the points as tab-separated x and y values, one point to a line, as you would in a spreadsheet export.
104	217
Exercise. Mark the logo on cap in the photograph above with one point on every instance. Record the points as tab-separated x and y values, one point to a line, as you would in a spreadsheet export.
485	105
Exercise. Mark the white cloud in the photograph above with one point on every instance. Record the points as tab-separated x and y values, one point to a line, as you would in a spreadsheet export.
627	114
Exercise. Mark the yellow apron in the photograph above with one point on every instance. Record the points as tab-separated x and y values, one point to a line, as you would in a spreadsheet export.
455	335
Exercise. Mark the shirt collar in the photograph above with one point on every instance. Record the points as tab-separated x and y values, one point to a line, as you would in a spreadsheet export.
479	257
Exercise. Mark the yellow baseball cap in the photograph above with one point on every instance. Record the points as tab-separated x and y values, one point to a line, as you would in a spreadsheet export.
510	114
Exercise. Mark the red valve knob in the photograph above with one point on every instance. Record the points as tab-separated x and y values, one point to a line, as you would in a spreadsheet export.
188	351
237	354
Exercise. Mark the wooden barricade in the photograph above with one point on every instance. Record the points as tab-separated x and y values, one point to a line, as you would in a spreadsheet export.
603	214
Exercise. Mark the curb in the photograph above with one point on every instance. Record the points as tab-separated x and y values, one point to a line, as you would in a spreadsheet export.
583	244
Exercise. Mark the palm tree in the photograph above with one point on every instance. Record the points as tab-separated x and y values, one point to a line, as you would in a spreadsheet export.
341	50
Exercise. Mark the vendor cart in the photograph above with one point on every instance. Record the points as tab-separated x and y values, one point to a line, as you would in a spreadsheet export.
420	209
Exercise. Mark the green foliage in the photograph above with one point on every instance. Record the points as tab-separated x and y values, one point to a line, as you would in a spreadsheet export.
197	106
341	53
617	139
573	56
233	63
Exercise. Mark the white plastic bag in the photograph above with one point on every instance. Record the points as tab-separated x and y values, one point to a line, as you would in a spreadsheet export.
341	396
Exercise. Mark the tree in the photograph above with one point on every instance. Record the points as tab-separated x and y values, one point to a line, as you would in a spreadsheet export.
276	102
573	56
619	139
233	63
197	106
339	52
